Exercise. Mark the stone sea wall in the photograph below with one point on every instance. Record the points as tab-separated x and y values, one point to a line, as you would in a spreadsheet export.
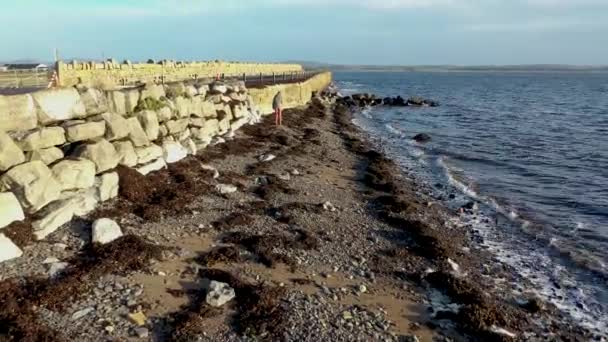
111	74
59	148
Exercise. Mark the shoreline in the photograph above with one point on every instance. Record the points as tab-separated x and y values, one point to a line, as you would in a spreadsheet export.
326	241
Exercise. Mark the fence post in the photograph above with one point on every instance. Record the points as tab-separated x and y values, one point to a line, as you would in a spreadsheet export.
274	78
245	77
261	78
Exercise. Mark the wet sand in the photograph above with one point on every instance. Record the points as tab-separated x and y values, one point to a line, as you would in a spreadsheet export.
329	240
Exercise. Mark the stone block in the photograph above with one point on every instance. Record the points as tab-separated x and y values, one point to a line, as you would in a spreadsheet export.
203	90
10	153
224	125
55	105
197	122
105	231
191	91
190	146
53	216
238	123
102	153
196	106
10	209
95	101
74	173
8	249
33	183
173	152
85	131
183	107
126	153
46	155
239	111
165	114
137	135
123	101
156	165
84	201
17	113
42	138
174	90
117	126
107	186
163	131
155	91
149	122
148	153
177	126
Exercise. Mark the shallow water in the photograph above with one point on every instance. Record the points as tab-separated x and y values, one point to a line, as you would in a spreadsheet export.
532	149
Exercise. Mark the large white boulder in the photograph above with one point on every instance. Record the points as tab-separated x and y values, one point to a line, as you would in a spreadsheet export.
137	135
102	153
75	173
148	153
173	152
126	153
17	113
105	231
149	122
8	250
10	153
42	138
33	183
117	126
107	186
55	105
10	209
46	155
85	131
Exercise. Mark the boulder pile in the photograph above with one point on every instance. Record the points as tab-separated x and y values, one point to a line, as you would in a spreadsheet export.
370	100
59	147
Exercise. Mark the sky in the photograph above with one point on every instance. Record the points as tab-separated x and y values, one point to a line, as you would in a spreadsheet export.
380	32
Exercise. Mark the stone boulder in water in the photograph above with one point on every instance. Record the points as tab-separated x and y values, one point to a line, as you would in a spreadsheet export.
422	138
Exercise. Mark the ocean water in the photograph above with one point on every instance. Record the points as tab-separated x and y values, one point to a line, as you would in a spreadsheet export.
531	149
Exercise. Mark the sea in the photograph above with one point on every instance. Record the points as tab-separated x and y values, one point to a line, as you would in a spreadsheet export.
530	149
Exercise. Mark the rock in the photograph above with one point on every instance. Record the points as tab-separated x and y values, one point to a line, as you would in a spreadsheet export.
183	106
138	318
155	91
17	113
33	184
226	188
190	146
235	125
46	155
53	216
123	101
208	110
142	332
102	153
361	288
216	173
10	209
95	101
209	129
8	250
107	186
177	126
156	165
59	104
327	206
422	138
173	152
415	101
105	231
218	88
85	131
219	294
408	338
50	260
295	172
137	135
197	122
117	126
165	114
10	153
149	122
42	138
74	173
57	268
266	157
84	201
126	153
80	314
148	153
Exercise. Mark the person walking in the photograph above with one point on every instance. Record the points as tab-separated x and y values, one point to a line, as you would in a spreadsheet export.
277	104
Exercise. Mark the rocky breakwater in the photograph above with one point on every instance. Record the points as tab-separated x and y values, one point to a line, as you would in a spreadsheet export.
59	148
371	100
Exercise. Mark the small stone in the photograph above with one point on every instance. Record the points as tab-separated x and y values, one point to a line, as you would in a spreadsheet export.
347	315
50	260
162	274
225	188
219	294
266	157
142	332
109	329
105	231
295	172
56	268
137	318
362	288
327	206
80	314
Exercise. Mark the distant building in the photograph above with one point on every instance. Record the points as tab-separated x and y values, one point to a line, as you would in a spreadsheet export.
38	66
3	68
